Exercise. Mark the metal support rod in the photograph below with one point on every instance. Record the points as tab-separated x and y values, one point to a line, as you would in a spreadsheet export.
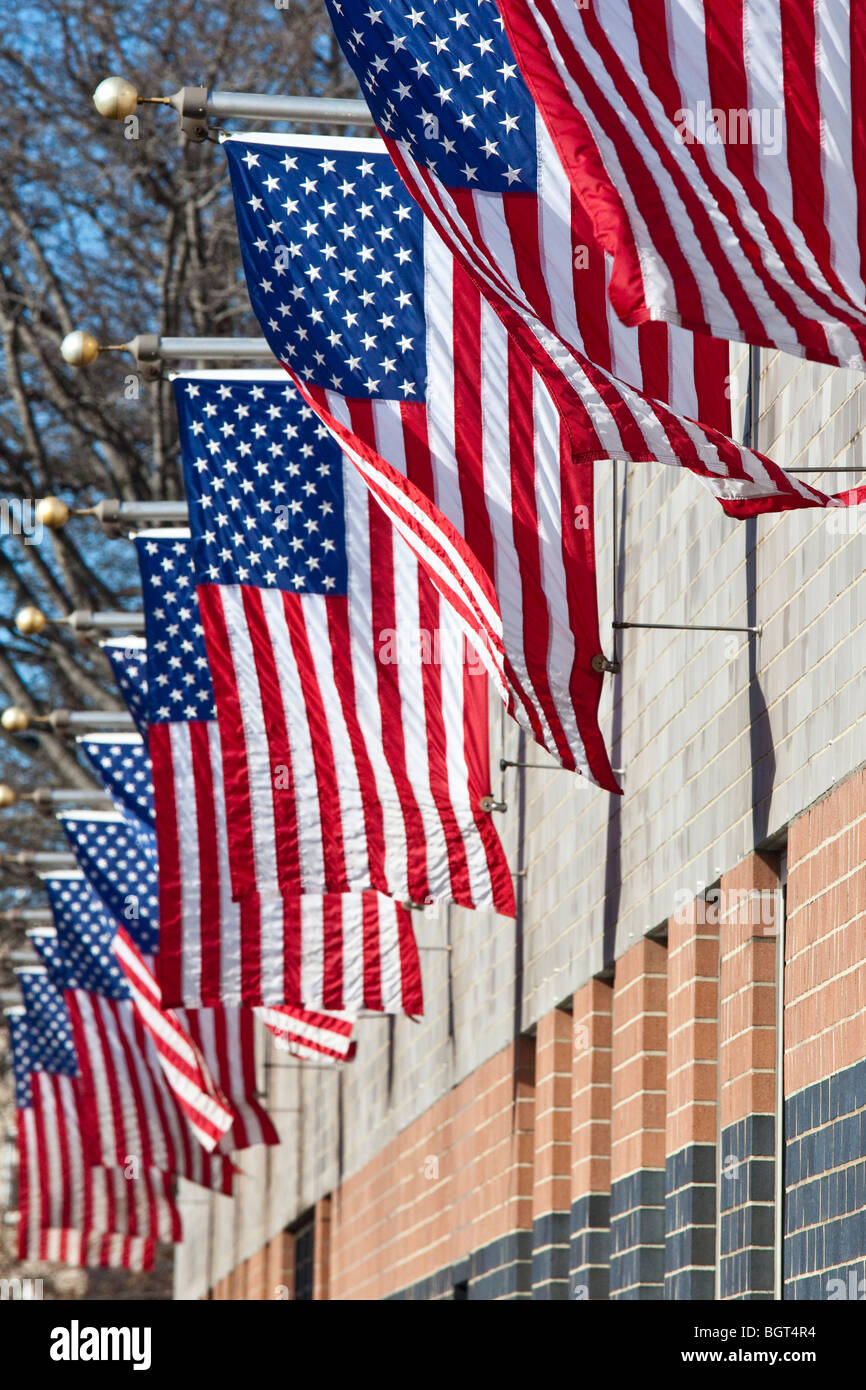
37	858
218	349
824	470
422	947
542	767
298	1062
91	719
26	914
259	107
45	797
550	767
112	511
691	627
108	620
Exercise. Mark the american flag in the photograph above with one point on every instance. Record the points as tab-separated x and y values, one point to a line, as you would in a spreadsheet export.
460	144
129	1111
70	1210
336	951
362	754
222	1037
472	116
122	764
182	1065
141	1205
454	433
720	149
127	657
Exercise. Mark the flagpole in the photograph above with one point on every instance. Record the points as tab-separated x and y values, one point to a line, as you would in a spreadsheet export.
112	514
117	99
40	859
16	720
43	798
31	621
148	350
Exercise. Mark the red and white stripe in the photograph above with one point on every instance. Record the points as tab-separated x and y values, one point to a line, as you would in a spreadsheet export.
225	1037
74	1212
311	1036
309	950
345	771
479	481
130	1109
334	952
519	514
741	238
605	417
206	1109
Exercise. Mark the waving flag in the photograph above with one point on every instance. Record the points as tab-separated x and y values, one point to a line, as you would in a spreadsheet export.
141	1205
451	94
222	1038
128	1108
122	764
64	1204
68	1206
365	764
324	951
459	145
185	1070
721	152
452	430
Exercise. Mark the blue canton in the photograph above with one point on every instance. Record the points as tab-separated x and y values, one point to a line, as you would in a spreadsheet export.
52	1047
124	770
22	1058
334	257
179	688
129	668
80	954
118	856
442	78
264	479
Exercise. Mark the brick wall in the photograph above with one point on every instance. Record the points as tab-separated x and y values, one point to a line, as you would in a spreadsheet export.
590	1140
450	1200
825	1047
551	1182
692	1114
322	1250
638	1103
747	1061
601	1130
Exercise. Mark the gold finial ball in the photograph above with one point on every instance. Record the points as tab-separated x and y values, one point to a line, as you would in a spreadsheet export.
79	349
30	620
115	98
15	720
52	512
7	796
